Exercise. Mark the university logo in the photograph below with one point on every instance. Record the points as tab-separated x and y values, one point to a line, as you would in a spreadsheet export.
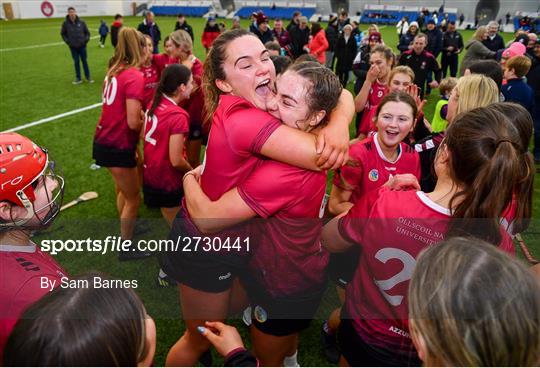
373	175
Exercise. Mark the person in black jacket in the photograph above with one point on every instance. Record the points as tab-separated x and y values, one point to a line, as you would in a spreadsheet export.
405	43
299	37
332	37
76	35
494	41
263	31
452	46
150	28
295	21
115	28
182	24
345	54
434	46
533	80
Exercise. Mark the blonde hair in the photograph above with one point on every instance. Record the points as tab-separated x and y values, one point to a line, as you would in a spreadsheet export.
479	34
128	52
521	65
402	69
475	90
447	85
472	305
182	39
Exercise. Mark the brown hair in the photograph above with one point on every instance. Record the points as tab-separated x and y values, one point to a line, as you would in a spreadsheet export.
401	69
523	192
173	76
484	150
398	97
182	39
387	52
85	326
447	85
325	87
213	68
472	305
128	52
521	65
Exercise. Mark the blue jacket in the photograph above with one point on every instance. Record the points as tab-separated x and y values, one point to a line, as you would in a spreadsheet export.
103	29
516	90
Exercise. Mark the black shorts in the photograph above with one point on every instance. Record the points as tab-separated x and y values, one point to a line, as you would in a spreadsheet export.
282	316
204	271
358	353
158	198
342	266
113	157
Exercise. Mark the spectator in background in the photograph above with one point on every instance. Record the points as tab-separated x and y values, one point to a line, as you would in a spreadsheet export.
533	41
402	27
345	54
361	64
406	40
76	35
280	34
489	68
318	44
373	28
103	32
263	31
150	28
439	122
332	35
236	22
421	62
343	20
182	24
493	41
210	33
451	47
299	37
461	19
515	89
420	20
515	49
508	17
253	24
295	21
476	49
533	80
273	48
434	46
115	28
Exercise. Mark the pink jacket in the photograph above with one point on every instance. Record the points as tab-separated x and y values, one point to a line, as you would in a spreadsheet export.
318	46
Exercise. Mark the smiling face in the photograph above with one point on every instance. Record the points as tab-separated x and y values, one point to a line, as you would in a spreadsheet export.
419	44
400	82
289	104
394	122
169	47
248	70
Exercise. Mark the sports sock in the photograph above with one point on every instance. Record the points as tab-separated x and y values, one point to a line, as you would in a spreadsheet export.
291	361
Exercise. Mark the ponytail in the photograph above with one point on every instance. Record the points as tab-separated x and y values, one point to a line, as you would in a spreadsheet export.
484	149
173	76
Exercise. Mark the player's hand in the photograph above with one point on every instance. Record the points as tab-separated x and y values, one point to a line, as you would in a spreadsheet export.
434	84
225	338
197	172
414	92
333	147
372	73
402	182
450	48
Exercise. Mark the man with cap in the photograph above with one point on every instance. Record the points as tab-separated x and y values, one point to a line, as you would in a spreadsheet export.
451	47
494	41
421	62
263	31
434	46
150	28
332	35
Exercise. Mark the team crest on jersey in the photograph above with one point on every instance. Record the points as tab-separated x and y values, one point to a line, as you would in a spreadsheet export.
373	175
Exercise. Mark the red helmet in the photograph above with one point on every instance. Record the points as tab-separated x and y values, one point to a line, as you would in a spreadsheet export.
21	163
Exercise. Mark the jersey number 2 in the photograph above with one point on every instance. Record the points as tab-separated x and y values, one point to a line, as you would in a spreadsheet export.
386	254
148	135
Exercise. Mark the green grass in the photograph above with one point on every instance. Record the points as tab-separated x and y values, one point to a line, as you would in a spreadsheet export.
35	84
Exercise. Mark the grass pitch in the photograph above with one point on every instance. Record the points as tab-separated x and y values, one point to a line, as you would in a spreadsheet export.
36	72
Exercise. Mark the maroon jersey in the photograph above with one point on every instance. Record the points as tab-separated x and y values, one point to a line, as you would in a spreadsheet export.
370	169
151	82
392	228
23	270
288	258
239	130
195	105
168	119
112	129
376	94
161	61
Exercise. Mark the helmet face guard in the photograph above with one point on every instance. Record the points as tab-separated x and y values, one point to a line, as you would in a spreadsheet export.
28	179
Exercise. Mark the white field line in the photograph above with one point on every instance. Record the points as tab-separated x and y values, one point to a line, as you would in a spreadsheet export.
52	118
38	46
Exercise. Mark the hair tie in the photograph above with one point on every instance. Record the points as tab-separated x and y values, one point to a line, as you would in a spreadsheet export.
500	141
